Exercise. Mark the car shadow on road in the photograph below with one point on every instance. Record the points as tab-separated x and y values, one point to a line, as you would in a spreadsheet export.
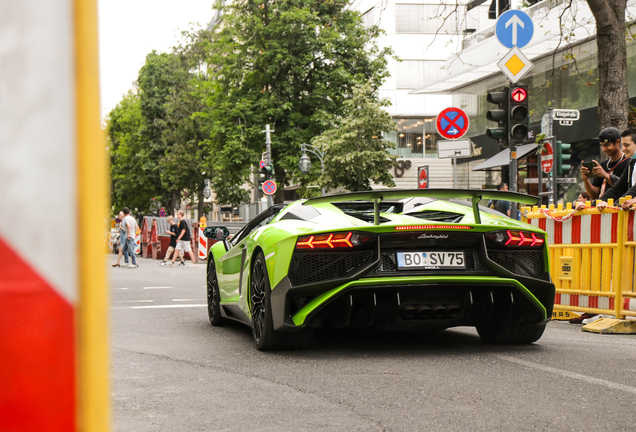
353	342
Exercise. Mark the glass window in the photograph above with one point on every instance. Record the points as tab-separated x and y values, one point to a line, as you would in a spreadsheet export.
418	18
416	137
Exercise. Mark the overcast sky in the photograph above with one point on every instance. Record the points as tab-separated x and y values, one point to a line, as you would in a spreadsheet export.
130	29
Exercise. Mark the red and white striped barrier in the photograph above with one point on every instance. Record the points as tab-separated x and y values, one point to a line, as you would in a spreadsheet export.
585	301
629	304
203	245
138	244
583	229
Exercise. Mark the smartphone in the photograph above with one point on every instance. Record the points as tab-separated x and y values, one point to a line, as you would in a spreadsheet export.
590	166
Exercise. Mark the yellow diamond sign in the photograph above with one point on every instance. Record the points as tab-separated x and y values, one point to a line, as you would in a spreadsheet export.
515	65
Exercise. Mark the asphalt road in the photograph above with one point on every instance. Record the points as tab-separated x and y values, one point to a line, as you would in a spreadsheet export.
172	371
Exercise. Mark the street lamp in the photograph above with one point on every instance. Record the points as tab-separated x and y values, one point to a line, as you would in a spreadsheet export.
305	163
207	191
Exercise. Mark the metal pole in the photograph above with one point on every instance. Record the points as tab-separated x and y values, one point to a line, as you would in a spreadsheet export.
454	172
513	178
268	143
323	171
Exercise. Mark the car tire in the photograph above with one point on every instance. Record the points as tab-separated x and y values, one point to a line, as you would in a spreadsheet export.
510	333
214	297
265	337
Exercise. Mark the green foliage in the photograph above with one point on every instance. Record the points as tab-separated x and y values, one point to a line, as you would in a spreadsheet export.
288	64
357	155
132	184
201	109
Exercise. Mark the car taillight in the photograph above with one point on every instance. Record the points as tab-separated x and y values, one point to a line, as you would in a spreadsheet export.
333	240
420	227
517	238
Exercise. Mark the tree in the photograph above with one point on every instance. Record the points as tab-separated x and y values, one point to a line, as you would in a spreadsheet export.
289	64
357	155
613	101
131	185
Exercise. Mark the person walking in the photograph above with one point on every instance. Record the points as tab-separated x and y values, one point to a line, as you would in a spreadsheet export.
123	250
173	232
183	239
131	233
605	174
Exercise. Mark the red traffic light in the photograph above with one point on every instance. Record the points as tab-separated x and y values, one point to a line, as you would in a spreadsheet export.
519	94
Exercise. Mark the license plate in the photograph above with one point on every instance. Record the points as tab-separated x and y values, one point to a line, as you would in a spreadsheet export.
431	260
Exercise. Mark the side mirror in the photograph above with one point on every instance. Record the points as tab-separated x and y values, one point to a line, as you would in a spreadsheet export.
216	233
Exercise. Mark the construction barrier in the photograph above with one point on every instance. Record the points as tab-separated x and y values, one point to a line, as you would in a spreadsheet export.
203	245
591	255
54	350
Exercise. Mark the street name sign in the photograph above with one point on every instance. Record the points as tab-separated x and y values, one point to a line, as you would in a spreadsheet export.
565	114
515	65
452	123
514	28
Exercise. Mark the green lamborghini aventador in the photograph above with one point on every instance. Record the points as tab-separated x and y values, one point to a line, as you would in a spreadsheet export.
386	260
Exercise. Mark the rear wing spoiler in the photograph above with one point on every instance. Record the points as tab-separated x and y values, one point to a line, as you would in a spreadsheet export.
474	195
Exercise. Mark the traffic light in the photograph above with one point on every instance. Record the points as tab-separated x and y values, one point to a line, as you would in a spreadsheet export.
563	156
518	113
264	174
499	115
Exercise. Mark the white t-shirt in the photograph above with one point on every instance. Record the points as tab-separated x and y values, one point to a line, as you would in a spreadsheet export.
131	230
634	175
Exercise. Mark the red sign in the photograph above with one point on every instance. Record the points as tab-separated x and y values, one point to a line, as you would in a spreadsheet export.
422	177
547	157
262	164
452	123
519	94
269	187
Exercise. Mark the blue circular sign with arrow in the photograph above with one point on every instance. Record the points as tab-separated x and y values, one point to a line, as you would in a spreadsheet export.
514	28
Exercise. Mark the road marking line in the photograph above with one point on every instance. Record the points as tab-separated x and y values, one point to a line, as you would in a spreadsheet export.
133	301
157	287
574	375
121	288
168	306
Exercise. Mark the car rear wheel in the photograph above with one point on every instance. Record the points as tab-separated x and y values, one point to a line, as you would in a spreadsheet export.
265	337
510	333
214	297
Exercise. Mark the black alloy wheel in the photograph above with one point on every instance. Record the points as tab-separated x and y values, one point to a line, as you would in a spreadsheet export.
257	299
214	297
265	337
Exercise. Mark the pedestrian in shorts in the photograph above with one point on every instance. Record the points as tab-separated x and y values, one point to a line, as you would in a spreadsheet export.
183	240
173	232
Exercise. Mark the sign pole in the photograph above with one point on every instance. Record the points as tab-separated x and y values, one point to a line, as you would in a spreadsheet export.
454	172
268	143
513	178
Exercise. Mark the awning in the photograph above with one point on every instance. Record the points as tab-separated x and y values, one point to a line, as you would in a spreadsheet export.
503	157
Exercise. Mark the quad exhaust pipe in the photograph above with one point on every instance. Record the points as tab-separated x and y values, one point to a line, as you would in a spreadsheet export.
429	311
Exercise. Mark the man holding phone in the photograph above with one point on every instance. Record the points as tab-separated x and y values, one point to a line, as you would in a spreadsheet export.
599	177
626	184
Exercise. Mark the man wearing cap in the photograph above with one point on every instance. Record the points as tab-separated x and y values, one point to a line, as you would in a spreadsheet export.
609	171
626	184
